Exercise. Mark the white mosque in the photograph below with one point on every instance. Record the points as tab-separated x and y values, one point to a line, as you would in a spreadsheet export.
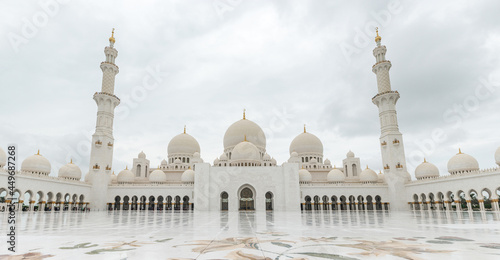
246	177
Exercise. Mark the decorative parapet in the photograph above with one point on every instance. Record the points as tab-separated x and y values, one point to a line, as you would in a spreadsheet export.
386	92
104	93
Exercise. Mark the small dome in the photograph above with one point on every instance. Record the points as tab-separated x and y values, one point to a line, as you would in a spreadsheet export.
381	177
313	161
177	161
114	178
157	176
273	161
196	155
327	162
70	171
216	161
294	154
3	158
125	176
335	175
188	176
223	157
426	170
350	154
141	155
368	175
245	151
266	157
87	177
236	133
306	143
497	156
305	175
183	144
36	164
462	162
164	162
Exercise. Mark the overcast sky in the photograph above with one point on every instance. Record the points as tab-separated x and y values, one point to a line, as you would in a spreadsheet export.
288	63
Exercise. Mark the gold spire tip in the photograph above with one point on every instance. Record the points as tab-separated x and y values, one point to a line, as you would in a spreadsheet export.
184	128
304	128
244	114
71	161
459	151
112	38
38	153
378	38
245	138
424	160
126	167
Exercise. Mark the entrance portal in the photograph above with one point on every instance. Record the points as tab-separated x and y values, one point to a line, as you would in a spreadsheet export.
246	199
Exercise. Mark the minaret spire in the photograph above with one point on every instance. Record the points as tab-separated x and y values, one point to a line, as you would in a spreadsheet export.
391	139
101	152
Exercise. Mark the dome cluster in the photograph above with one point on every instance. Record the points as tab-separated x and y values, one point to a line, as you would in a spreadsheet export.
335	176
187	176
125	176
157	176
242	130
70	171
426	170
36	164
305	176
368	176
462	163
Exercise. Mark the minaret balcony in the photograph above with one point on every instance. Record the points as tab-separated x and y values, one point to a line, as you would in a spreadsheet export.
96	167
384	143
399	166
108	168
395	142
110	145
98	143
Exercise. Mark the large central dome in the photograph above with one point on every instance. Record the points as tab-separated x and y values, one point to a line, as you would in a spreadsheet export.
236	133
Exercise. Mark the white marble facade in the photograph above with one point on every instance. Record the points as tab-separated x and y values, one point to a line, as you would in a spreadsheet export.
246	177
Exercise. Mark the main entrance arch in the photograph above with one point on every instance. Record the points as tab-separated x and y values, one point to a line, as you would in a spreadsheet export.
247	198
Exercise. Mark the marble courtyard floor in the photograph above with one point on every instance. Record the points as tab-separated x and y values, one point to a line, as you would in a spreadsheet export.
251	235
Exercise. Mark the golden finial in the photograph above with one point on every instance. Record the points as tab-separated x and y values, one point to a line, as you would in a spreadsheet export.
424	160
184	128
245	138
38	153
126	167
378	38
367	166
244	112
71	161
304	128
459	151
113	172
112	38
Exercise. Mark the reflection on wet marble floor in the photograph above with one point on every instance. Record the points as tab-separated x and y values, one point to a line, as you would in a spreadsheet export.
250	235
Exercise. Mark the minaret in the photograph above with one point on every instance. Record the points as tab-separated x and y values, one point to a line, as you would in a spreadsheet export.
101	154
391	140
